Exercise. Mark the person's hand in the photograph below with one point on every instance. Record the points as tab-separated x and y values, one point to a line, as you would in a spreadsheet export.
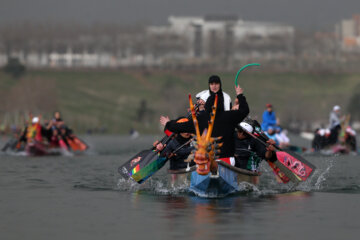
200	102
156	143
160	146
235	107
271	142
238	90
164	120
170	155
270	148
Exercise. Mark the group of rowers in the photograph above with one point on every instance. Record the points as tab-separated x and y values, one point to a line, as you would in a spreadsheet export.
239	148
339	134
51	134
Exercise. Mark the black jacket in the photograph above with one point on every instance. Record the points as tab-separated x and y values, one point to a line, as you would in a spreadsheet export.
248	148
177	161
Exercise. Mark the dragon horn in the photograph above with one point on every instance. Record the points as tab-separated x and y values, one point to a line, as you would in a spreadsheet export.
196	123
212	118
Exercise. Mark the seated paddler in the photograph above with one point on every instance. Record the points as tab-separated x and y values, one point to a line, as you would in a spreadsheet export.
248	151
178	149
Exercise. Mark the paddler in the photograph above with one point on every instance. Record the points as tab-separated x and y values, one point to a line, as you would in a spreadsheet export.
248	151
34	130
178	149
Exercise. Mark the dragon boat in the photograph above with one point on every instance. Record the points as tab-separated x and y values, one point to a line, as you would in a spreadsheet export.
210	177
43	148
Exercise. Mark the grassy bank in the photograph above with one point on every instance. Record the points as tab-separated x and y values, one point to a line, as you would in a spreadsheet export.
120	100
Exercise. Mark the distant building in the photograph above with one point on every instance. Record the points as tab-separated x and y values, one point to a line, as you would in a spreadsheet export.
227	37
191	41
348	34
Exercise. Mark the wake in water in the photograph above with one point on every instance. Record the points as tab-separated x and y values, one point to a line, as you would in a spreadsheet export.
335	174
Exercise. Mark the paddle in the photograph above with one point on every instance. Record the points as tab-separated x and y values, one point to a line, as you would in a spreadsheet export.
12	144
276	170
151	168
289	165
141	159
344	125
76	144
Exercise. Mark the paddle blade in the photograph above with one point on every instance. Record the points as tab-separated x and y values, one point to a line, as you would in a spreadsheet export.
279	174
63	144
74	147
299	170
144	173
18	145
77	144
127	168
142	166
300	158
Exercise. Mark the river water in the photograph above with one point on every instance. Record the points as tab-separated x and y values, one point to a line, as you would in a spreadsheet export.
83	197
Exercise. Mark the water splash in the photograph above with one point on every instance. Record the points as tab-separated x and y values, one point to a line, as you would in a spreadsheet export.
322	175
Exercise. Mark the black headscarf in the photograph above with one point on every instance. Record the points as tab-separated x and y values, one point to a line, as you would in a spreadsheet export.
210	101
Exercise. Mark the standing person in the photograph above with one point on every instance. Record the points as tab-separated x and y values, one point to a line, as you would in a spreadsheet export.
216	88
268	117
334	124
224	125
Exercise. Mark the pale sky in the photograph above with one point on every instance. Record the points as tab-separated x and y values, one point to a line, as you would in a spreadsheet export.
305	14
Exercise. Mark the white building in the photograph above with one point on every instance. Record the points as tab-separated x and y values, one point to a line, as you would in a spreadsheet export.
229	36
348	33
184	41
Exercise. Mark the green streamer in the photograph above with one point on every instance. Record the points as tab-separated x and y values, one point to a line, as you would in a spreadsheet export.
248	65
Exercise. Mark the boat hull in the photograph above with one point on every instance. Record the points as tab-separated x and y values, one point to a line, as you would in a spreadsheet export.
226	181
35	149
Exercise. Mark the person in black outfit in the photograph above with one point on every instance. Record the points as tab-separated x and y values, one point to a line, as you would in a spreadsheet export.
177	159
181	143
249	152
224	125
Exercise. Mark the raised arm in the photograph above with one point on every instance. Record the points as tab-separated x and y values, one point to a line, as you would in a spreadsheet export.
238	115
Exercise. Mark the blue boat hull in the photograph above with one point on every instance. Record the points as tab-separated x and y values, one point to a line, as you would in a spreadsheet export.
226	182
